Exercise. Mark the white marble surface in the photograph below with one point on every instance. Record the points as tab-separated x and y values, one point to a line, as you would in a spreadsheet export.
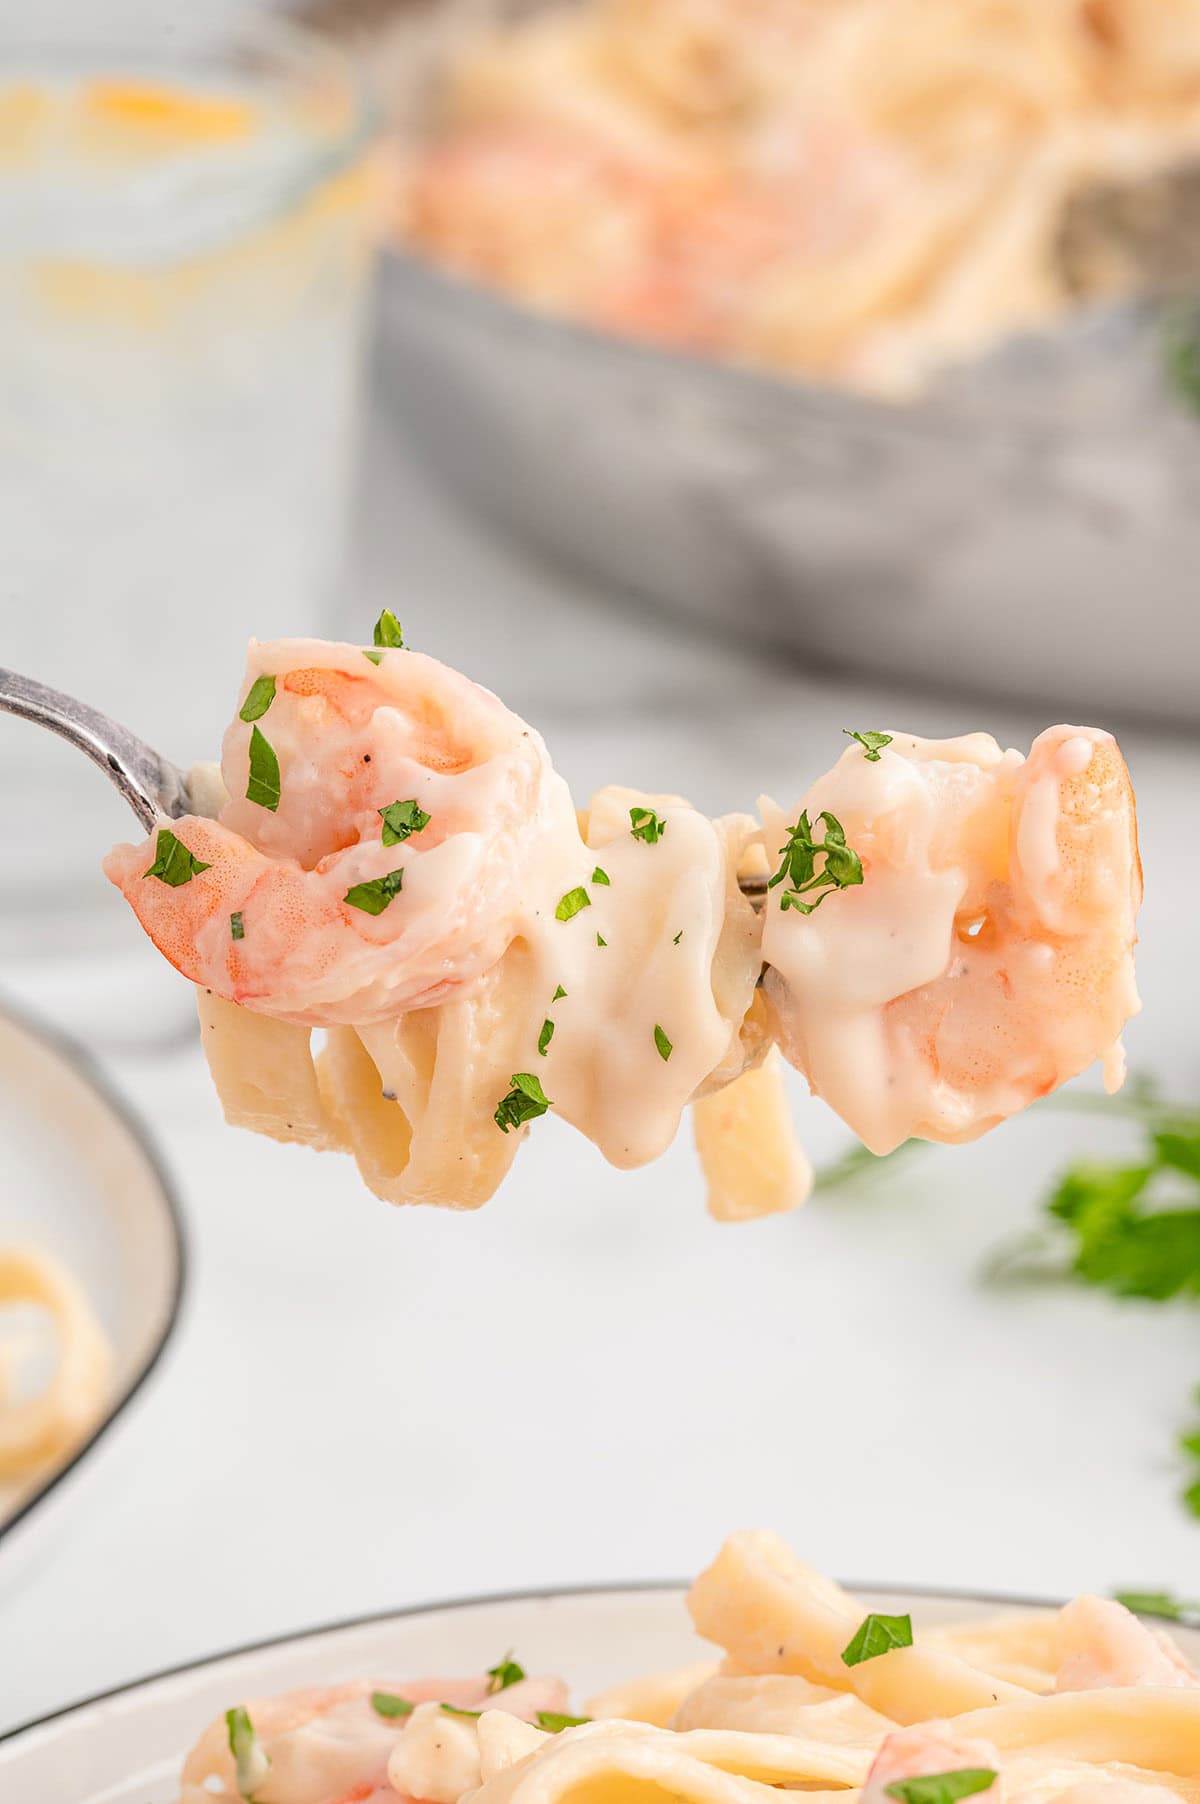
590	1380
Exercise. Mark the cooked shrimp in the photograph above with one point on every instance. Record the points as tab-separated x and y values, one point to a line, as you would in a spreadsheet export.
303	901
986	957
331	1745
928	1749
1101	1644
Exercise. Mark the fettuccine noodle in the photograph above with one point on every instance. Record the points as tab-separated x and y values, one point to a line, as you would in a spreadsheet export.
859	190
813	1694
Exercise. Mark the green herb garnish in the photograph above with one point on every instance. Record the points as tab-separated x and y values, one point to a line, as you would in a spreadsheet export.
1158	1603
546	1035
375	895
173	863
877	1635
252	1764
401	820
555	1721
645	824
263	786
601	877
457	1710
524	1102
262	694
600	940
678	937
387	632
237	926
942	1788
665	1048
842	868
571	903
376	657
559	992
506	1672
388	1703
872	743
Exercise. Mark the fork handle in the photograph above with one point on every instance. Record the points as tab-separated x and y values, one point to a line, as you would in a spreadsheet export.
151	785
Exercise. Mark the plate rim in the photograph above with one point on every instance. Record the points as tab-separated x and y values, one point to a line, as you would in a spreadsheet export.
521	1595
87	1066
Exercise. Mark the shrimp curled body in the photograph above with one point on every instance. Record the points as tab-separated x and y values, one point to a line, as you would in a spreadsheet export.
351	737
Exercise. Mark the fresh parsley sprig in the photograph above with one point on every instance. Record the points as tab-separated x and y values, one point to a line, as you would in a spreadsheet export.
841	866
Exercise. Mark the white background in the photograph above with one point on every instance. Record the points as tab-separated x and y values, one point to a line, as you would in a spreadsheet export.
590	1379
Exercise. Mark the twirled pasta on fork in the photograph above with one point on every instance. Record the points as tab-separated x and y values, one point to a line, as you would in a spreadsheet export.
945	932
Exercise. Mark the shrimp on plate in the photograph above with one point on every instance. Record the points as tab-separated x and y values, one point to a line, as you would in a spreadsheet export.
349	1744
928	1750
373	857
986	956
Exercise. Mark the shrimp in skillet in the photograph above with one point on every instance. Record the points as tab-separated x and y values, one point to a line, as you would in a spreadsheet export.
985	957
377	846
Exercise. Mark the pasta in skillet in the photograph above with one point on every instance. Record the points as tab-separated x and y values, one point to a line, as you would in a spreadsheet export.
1086	1706
398	868
859	191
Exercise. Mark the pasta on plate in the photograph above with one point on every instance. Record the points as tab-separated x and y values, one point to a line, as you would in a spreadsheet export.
39	1428
858	191
396	866
1087	1706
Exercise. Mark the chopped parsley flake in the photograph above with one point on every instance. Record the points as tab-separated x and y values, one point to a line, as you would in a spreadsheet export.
546	1035
678	937
599	876
262	694
252	1764
457	1710
559	992
842	868
237	926
506	1672
600	940
942	1788
524	1102
554	1721
570	905
872	743
647	825
665	1048
173	863
878	1635
375	895
400	820
388	1703
263	786
387	632
376	657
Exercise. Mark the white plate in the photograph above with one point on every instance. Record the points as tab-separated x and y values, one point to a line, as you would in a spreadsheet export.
80	1178
126	1747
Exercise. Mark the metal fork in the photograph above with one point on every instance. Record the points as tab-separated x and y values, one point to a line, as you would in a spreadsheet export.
150	783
